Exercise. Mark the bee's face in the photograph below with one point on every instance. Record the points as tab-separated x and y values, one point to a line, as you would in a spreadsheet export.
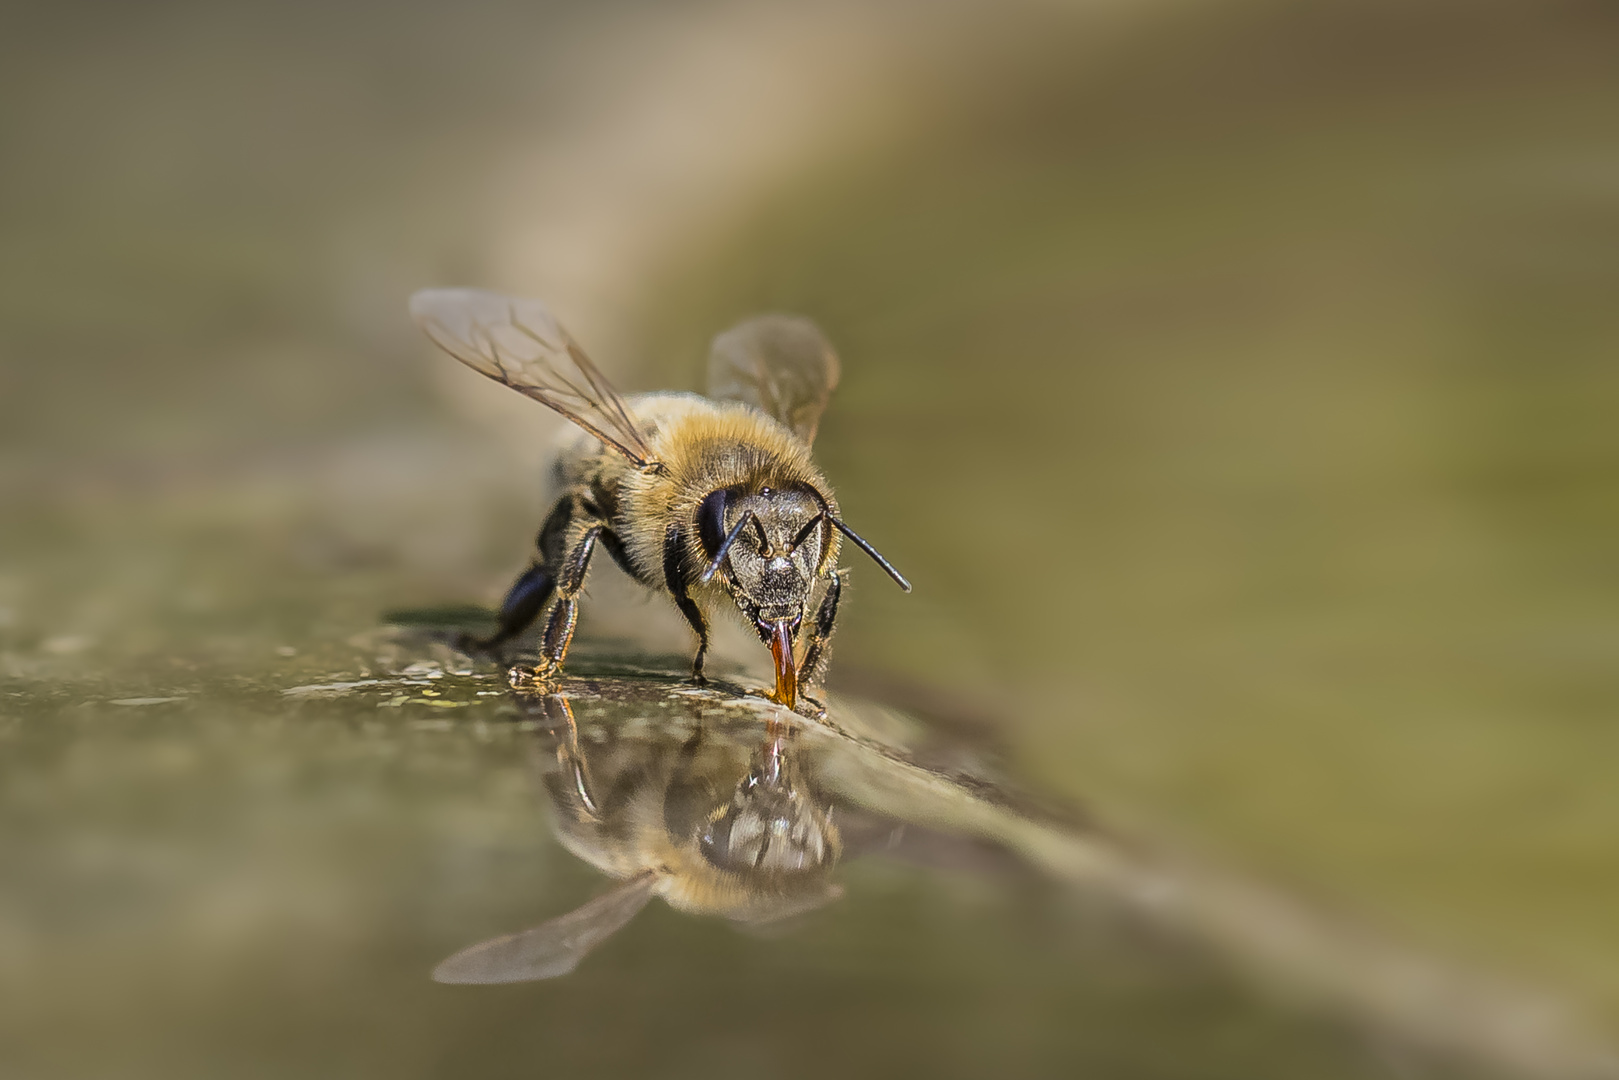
774	559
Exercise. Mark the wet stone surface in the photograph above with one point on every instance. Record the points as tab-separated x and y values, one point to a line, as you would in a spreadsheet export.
238	869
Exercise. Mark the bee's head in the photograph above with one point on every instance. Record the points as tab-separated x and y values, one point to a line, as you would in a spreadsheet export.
775	541
771	542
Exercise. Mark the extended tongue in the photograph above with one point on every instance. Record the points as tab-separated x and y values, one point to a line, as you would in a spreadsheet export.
781	648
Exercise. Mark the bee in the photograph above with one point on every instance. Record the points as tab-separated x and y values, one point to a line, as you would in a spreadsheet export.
712	501
689	813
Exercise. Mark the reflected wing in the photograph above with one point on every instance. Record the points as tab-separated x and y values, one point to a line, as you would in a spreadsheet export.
780	364
519	343
553	948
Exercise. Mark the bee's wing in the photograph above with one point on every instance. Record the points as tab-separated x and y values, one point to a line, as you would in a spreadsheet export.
518	342
553	948
780	364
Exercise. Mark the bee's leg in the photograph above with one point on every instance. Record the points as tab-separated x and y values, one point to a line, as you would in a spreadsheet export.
826	617
523	604
532	590
674	580
570	579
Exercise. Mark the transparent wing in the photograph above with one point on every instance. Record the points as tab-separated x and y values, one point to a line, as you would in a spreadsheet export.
550	949
780	364
519	343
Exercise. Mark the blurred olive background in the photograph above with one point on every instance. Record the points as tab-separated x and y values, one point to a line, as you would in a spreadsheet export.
1238	382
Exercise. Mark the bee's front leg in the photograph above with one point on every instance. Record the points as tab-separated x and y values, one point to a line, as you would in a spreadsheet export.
820	634
674	579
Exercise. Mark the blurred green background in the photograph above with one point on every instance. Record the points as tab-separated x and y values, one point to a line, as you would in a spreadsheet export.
1236	381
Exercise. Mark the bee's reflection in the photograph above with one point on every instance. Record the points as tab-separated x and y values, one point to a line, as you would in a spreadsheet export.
712	823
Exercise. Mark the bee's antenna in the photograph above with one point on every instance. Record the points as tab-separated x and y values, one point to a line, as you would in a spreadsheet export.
899	579
725	546
803	534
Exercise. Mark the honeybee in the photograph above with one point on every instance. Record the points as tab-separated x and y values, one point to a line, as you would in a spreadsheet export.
704	499
686	812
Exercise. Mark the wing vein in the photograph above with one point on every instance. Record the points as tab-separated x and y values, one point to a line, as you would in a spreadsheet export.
782	365
519	343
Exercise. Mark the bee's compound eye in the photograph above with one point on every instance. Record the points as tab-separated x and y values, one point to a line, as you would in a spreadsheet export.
711	521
